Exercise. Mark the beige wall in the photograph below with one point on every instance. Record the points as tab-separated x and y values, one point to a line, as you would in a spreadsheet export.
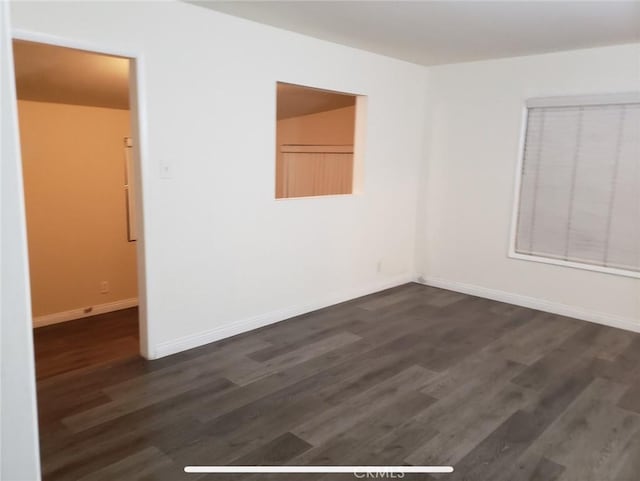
73	160
334	127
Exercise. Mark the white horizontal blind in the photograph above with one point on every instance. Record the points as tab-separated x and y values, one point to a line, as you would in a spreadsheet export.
580	185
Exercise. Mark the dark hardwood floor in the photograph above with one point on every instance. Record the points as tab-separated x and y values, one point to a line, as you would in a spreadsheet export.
84	344
413	375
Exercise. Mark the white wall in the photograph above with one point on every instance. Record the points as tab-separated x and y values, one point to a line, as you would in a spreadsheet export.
475	114
19	453
222	254
73	167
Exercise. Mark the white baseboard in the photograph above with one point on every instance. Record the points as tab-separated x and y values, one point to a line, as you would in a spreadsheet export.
244	325
57	317
603	318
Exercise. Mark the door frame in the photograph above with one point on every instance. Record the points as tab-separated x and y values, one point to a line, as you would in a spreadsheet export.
138	113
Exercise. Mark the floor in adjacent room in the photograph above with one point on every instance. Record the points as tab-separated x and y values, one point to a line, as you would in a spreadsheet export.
413	375
84	344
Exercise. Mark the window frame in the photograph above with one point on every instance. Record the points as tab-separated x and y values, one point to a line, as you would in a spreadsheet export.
359	144
560	101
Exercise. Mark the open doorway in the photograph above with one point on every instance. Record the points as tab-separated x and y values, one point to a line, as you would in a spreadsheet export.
81	183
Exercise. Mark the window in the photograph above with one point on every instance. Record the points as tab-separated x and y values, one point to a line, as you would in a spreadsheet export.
315	136
579	199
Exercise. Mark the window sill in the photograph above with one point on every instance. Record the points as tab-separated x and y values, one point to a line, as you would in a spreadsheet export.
575	265
329	196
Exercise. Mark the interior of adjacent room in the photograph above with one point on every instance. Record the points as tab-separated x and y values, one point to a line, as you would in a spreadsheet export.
75	133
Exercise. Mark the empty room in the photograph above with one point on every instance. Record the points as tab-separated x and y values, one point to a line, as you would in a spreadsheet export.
316	241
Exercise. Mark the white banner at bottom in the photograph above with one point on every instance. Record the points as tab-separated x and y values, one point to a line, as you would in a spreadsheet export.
318	469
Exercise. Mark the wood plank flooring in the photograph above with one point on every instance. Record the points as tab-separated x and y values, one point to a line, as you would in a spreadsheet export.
411	375
86	343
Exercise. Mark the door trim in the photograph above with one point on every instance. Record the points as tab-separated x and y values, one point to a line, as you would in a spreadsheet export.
139	124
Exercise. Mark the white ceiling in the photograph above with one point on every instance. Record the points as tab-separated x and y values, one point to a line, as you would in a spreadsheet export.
47	73
438	32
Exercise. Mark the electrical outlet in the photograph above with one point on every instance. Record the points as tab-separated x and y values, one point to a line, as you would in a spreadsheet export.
104	287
